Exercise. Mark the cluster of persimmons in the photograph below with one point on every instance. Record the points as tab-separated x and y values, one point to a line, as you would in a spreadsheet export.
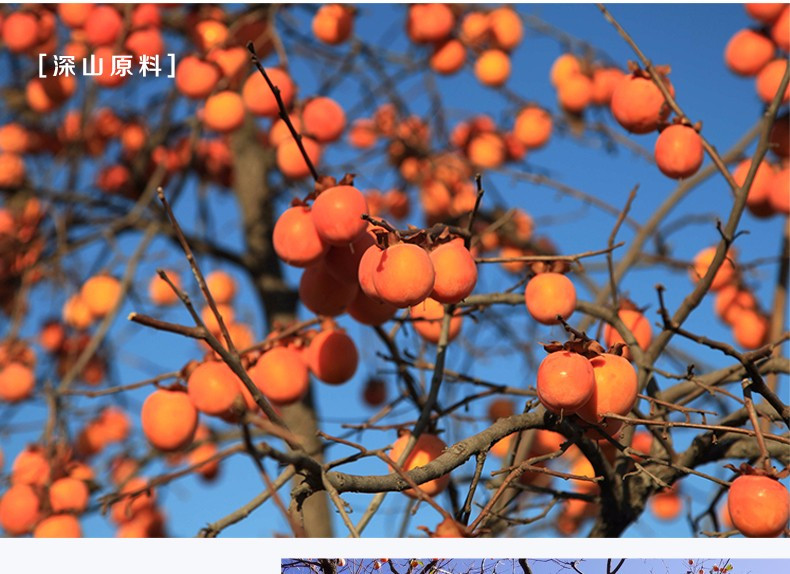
354	260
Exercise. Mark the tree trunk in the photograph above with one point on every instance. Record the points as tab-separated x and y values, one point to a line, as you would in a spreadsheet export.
252	163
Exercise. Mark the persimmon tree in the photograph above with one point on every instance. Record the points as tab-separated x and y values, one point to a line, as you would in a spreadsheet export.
493	565
292	250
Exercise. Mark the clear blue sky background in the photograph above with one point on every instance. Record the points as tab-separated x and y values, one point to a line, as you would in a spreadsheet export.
691	38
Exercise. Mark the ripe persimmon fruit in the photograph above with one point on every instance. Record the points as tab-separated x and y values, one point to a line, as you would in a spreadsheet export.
100	294
223	112
487	150
564	67
281	375
638	105
58	526
68	494
615	390
333	23
103	26
169	419
427	317
427	448
750	329
448	57
666	505
403	275
20	31
506	28
332	356
214	388
290	160
196	78
342	261
639	326
429	22
17	382
259	99
160	292
548	295
758	199
605	82
769	79
295	238
533	127
337	214
725	274
678	151
19	509
759	506
456	272
31	466
748	52
323	119
222	286
322	293
766	13
492	68
565	382
575	93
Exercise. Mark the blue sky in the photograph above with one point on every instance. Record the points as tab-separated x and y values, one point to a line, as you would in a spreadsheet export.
690	38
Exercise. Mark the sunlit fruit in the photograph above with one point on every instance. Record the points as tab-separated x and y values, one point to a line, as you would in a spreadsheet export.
456	272
224	112
259	98
638	105
101	294
758	505
333	23
615	390
17	382
337	214
31	466
769	79
566	381
19	509
403	275
169	419
492	68
221	286
678	151
748	52
291	161
213	388
533	127
295	238
58	526
281	375
160	292
323	119
429	22
548	295
196	78
68	494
